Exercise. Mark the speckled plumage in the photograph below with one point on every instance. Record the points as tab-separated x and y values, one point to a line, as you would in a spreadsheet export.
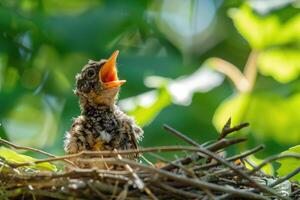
101	125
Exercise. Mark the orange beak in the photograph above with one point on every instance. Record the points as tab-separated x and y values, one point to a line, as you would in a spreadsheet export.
108	73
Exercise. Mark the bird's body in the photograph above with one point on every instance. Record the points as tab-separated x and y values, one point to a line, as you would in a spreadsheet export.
101	125
102	128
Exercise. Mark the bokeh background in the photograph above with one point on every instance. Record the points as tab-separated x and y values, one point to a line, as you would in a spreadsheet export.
188	63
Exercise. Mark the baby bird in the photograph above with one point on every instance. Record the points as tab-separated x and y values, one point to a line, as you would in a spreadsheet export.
101	125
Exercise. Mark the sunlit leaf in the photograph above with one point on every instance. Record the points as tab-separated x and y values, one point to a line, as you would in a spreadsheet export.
265	31
282	64
259	32
270	116
14	157
144	108
290	164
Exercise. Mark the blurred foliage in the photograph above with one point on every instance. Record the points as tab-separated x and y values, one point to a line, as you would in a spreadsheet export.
165	45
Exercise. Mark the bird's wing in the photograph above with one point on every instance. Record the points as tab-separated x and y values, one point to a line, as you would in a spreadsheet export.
133	131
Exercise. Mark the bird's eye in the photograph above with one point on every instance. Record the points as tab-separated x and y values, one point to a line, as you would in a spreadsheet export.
91	73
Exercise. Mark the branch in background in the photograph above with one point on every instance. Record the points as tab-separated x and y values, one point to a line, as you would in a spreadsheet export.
232	72
250	70
181	179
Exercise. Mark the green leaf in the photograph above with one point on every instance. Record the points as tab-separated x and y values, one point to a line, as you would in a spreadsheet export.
259	32
265	31
145	114
282	64
271	116
14	157
287	165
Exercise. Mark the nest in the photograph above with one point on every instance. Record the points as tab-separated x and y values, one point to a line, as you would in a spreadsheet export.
202	173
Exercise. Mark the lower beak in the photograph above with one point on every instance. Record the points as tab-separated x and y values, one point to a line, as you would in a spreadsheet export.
108	73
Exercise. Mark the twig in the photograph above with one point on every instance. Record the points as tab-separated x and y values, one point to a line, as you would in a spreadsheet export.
229	130
96	191
193	182
288	176
108	153
294	193
233	158
223	143
224	162
250	69
180	135
226	127
178	192
273	158
186	170
15	146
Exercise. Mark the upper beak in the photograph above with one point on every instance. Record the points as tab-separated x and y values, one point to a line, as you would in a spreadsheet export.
108	73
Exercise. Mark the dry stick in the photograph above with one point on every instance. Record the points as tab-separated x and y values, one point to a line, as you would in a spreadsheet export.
223	143
138	182
233	158
219	159
96	191
277	182
288	176
210	195
273	158
295	192
193	182
178	192
109	153
229	130
225	127
15	146
179	166
77	173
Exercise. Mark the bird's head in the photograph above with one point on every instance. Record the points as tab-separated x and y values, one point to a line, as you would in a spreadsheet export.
98	82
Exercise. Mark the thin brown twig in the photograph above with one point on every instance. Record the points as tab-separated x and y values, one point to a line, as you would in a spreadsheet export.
193	182
274	158
229	130
178	192
224	162
233	158
287	177
96	191
223	143
108	153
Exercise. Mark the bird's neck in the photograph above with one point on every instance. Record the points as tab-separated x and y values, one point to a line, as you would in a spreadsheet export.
87	104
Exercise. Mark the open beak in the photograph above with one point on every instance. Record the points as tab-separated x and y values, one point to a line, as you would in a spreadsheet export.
108	73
